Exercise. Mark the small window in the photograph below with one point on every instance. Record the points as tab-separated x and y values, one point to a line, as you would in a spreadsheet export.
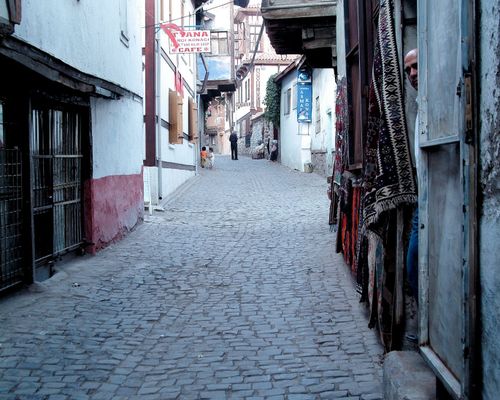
124	22
254	36
294	96
193	120
318	117
247	98
219	43
287	101
162	10
183	8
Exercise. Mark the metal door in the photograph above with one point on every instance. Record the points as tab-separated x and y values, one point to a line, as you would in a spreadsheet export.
444	41
57	181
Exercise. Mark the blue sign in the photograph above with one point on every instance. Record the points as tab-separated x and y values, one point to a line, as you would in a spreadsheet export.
304	94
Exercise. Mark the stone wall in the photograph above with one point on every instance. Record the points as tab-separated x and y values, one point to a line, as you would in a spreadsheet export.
261	130
320	163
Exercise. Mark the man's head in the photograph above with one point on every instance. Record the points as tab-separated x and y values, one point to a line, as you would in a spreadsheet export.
411	67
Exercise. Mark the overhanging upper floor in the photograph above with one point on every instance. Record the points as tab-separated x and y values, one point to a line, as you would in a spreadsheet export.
303	27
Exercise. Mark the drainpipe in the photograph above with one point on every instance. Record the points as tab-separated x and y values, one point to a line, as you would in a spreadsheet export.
158	103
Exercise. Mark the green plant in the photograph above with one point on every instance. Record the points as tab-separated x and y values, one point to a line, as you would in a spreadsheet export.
272	101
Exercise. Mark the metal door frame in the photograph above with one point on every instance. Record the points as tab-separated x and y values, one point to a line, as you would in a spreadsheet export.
49	103
466	138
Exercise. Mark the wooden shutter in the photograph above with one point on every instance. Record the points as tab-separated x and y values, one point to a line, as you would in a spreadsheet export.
193	121
14	11
179	133
175	134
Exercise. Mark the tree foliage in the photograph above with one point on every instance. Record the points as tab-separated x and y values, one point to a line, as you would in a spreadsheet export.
272	101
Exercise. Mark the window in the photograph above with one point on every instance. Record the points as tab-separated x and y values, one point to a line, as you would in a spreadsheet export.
247	90
317	126
287	100
193	120
175	135
294	96
254	36
10	11
162	10
124	22
183	13
219	43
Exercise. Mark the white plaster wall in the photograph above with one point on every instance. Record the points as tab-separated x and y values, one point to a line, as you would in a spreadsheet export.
295	146
323	86
489	223
265	73
117	136
178	153
173	178
222	11
86	35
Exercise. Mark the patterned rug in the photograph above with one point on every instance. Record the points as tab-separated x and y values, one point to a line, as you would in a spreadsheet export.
388	178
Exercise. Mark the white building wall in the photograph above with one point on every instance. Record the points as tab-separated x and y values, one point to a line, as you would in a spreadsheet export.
300	144
87	35
96	47
174	157
324	87
295	146
117	137
266	71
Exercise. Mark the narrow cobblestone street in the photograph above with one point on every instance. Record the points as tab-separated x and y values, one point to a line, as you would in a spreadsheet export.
234	291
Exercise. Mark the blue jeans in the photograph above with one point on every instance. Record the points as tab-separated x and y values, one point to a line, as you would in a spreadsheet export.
412	256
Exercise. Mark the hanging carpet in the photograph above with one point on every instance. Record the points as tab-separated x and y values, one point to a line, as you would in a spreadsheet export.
388	176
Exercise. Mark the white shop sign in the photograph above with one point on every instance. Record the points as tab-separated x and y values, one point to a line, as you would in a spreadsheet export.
182	42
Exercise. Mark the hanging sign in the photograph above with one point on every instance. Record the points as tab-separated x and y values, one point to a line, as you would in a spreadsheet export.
186	42
304	94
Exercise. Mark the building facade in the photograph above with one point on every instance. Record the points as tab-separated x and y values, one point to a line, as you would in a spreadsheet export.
171	104
70	130
255	62
216	71
307	145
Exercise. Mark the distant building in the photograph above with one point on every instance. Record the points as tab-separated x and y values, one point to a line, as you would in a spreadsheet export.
306	145
252	78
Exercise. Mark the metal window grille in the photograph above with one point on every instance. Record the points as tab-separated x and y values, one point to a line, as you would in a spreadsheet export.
11	259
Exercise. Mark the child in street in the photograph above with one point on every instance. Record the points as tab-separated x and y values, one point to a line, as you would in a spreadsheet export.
203	157
210	158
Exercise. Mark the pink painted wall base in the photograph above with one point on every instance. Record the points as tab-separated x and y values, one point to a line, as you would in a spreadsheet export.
113	206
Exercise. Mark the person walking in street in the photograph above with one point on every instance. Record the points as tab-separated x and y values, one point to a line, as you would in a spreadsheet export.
233	138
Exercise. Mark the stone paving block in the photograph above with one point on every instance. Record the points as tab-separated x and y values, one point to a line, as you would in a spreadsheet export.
223	290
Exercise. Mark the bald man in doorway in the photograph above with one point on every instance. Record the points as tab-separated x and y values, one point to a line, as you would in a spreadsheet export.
411	70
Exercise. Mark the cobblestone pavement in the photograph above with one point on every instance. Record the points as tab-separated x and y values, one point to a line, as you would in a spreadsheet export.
234	292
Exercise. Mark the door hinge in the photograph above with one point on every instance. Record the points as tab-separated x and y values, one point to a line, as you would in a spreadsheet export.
468	108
